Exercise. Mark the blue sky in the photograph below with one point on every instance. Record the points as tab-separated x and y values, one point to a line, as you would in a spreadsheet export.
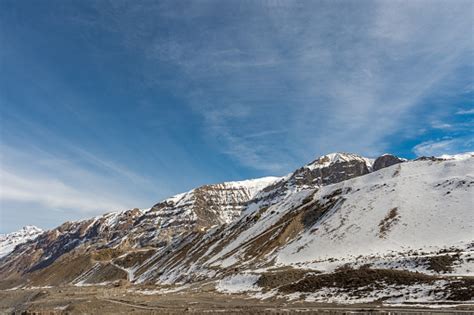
108	105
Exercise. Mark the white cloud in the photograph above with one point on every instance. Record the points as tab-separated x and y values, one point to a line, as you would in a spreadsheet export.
37	177
53	194
333	77
465	112
443	146
441	125
353	81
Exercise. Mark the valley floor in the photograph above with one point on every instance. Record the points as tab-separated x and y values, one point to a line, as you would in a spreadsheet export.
143	300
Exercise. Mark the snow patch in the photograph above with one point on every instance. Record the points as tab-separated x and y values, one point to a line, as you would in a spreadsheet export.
238	283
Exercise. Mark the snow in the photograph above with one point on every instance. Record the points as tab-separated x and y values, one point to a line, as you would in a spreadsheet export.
428	216
8	242
458	157
253	186
160	291
265	222
62	308
390	294
432	202
429	221
238	283
332	158
130	271
228	195
82	284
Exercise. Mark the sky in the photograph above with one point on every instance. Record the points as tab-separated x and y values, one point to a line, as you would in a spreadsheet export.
112	105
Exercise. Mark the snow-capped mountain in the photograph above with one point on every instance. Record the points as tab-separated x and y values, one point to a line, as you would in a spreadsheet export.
340	214
420	204
10	240
196	210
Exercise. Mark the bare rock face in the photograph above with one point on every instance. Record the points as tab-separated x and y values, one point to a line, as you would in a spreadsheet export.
197	210
326	170
333	168
386	160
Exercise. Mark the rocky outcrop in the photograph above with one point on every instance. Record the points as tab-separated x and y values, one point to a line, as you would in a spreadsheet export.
386	160
326	170
333	168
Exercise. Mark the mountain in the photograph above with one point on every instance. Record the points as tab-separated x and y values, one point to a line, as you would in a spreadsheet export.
135	229
9	241
342	228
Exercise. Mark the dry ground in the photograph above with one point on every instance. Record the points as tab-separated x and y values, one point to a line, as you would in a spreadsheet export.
111	300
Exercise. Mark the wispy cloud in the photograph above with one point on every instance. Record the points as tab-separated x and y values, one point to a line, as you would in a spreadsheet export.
338	77
61	184
465	112
441	125
53	194
443	146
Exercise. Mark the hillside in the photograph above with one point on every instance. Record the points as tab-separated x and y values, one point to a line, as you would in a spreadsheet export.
342	228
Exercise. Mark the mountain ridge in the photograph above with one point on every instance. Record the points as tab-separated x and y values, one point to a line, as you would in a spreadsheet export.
316	218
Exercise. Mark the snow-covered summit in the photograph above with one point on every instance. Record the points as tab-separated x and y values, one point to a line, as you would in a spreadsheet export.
10	240
251	187
338	157
457	157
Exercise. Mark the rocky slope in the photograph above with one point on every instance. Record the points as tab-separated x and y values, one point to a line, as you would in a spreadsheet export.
130	230
9	241
339	217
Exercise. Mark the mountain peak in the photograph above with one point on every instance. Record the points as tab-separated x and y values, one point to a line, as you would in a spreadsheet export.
338	157
386	160
30	228
10	240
